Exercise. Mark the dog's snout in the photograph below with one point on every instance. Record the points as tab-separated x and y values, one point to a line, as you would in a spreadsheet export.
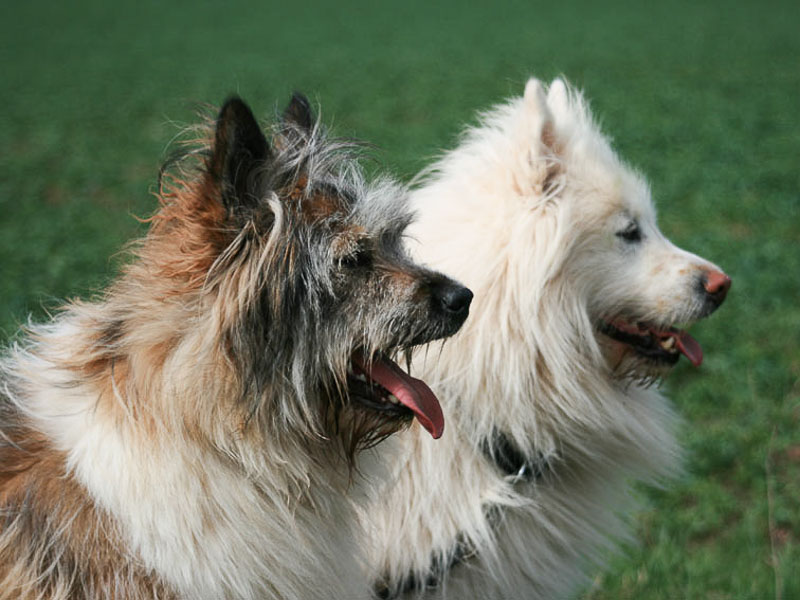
454	298
716	285
448	305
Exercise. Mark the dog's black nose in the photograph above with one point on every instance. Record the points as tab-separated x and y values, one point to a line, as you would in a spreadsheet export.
454	298
449	306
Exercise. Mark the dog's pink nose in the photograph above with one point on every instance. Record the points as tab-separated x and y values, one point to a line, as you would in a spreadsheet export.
717	284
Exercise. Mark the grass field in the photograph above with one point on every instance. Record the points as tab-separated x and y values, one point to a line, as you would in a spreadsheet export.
703	97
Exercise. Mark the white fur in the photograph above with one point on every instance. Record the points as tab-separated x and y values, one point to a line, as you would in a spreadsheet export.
200	522
526	212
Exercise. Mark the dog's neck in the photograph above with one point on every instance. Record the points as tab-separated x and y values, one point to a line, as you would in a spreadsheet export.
505	455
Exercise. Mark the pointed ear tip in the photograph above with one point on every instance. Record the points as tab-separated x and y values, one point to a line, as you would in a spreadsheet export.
534	94
532	85
300	98
558	86
299	111
234	105
236	133
233	99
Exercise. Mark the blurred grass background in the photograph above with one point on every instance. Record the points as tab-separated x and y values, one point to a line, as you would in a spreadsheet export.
703	97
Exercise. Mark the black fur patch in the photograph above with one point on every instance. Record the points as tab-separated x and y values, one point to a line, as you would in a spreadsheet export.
240	150
440	566
510	460
299	112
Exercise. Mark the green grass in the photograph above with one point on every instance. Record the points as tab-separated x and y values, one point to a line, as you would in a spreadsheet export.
702	97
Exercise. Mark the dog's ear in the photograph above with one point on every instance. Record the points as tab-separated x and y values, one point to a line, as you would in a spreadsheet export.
299	112
558	96
540	142
239	153
540	120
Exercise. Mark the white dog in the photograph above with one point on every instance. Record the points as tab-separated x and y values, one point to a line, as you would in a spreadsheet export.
547	389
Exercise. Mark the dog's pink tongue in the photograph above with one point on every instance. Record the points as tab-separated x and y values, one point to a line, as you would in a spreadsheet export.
411	392
690	347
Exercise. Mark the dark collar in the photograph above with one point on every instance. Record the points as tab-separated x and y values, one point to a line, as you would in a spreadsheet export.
501	451
439	566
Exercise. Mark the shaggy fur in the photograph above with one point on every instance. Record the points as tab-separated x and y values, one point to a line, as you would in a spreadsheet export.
190	433
547	389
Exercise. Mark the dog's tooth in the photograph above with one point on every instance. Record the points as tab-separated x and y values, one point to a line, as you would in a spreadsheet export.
393	399
361	377
668	343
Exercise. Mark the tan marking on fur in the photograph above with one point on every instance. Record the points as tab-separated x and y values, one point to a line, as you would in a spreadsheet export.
347	240
111	372
405	283
299	189
322	206
317	206
550	139
187	234
554	170
49	524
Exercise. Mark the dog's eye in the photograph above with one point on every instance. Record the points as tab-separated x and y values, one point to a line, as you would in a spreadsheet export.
359	257
631	234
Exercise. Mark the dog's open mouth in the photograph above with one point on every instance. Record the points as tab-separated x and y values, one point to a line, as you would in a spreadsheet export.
659	344
380	383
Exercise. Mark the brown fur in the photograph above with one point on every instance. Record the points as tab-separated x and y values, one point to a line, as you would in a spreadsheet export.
57	543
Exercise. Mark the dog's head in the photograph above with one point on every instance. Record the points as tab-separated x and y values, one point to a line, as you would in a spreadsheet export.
635	289
306	281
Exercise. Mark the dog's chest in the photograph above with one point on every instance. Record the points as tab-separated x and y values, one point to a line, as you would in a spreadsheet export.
211	532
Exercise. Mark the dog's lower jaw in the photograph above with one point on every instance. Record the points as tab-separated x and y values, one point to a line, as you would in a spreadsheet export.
644	351
626	366
388	388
